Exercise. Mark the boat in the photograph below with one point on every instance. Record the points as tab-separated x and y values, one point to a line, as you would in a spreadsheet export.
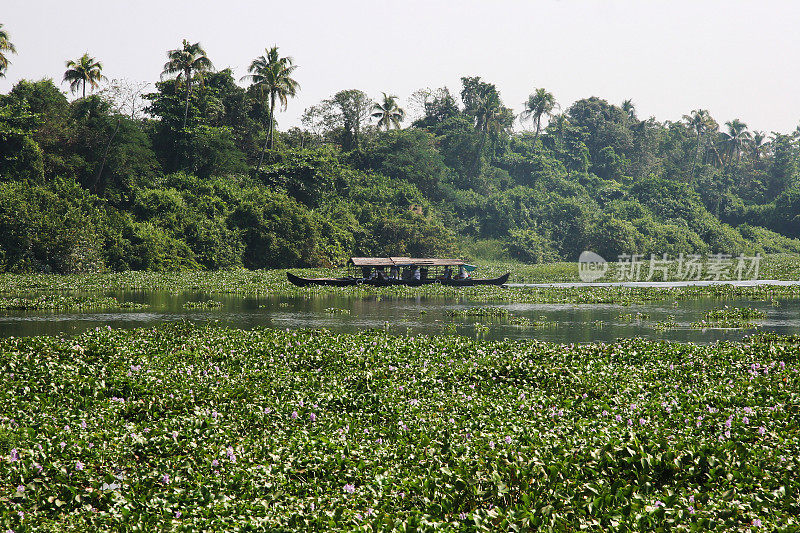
403	271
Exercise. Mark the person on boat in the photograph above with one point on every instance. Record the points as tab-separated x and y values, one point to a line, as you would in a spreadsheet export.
417	273
448	273
366	272
394	272
381	274
462	272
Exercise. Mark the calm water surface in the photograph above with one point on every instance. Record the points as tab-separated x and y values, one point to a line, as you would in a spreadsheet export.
565	323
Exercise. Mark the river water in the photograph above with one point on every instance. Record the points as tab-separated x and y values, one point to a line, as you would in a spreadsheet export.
563	323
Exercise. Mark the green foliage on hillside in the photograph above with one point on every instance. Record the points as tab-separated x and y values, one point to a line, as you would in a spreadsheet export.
196	184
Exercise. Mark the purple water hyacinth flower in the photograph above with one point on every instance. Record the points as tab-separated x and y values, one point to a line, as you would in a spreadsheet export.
745	420
62	444
312	417
618	418
215	463
174	434
267	410
14	455
762	430
20	488
491	444
691	509
294	415
508	439
728	422
605	413
756	522
748	410
462	516
349	488
165	479
79	466
630	422
83	424
214	414
691	498
38	467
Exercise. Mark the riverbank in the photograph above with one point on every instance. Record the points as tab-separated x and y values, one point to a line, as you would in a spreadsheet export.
274	282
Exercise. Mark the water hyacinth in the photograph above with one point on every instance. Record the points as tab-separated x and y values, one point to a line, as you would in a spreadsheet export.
527	434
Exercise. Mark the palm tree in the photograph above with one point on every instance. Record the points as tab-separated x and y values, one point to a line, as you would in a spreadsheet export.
490	119
735	139
389	114
758	145
701	122
184	63
5	46
272	75
629	109
539	104
85	70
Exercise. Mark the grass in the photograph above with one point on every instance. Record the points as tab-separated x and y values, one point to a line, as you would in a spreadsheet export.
61	302
208	304
730	317
185	428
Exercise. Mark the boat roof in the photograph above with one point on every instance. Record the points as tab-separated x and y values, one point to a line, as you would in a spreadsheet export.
403	261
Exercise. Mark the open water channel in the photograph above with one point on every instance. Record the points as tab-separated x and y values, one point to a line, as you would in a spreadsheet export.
563	323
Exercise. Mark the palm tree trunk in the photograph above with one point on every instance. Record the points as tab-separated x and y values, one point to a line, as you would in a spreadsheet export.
186	107
84	88
272	121
696	151
268	141
536	135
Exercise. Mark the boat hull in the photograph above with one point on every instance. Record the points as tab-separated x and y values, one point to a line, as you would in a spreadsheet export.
345	282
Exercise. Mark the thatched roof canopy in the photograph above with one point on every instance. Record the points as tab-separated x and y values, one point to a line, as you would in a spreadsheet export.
403	261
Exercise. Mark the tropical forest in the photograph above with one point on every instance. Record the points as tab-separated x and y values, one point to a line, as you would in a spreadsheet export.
194	172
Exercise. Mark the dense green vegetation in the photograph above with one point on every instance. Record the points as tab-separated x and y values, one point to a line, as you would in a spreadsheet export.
197	174
189	428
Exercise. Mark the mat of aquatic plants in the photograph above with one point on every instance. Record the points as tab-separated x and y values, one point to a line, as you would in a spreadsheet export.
191	428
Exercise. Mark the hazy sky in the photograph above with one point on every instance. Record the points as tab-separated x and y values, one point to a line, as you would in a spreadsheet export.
739	59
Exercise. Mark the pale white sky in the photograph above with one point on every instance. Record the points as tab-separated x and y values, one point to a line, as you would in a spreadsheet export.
739	59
